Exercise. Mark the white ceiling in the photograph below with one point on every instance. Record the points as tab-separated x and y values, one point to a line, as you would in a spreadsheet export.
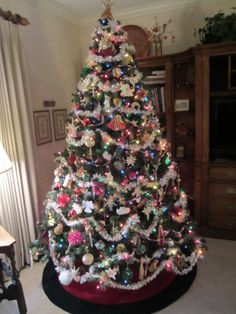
82	11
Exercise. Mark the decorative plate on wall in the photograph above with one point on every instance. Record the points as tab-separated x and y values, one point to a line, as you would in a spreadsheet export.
139	38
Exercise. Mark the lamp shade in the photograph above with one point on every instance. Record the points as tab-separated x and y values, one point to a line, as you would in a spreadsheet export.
5	163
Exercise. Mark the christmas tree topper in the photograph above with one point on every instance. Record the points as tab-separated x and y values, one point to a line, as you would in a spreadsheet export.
107	4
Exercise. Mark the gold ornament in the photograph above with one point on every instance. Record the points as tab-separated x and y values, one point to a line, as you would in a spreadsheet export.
89	142
117	102
58	229
120	248
87	259
117	72
141	271
153	266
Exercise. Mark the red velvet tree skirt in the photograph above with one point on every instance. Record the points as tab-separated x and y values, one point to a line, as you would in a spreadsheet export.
89	292
161	297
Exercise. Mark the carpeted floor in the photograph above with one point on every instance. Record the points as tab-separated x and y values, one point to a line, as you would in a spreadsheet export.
212	292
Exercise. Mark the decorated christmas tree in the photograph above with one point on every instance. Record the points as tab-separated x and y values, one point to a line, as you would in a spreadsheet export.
116	215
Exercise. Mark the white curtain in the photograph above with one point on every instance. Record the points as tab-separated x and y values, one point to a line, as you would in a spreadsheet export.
18	195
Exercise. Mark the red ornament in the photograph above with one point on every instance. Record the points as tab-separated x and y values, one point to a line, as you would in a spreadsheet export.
72	214
116	124
63	200
98	189
86	121
71	160
132	174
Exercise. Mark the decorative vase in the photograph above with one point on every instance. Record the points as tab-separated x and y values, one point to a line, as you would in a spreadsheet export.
158	48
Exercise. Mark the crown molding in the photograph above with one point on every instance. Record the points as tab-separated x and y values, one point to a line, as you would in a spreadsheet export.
147	9
58	10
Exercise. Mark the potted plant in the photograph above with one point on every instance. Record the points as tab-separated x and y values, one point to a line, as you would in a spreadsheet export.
218	28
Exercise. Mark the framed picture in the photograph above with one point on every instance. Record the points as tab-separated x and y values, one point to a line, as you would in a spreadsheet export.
182	105
59	118
180	150
42	125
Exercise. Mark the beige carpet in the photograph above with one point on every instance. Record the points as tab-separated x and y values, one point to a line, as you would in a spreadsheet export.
212	292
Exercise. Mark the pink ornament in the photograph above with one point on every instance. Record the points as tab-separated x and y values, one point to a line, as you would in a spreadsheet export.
98	189
75	237
132	174
72	213
63	200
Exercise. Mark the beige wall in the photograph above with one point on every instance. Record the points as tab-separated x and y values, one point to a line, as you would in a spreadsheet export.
55	49
184	20
51	47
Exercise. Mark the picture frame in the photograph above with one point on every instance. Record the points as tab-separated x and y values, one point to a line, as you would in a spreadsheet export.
42	126
180	151
182	105
59	117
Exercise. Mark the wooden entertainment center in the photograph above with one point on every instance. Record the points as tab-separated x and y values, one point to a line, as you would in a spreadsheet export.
200	118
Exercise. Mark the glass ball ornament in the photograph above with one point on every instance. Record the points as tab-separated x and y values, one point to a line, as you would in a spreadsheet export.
87	259
65	277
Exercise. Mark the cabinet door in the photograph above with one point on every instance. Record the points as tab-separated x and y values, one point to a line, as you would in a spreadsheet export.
222	206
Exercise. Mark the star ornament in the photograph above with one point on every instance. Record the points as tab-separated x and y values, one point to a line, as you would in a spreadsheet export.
131	160
111	273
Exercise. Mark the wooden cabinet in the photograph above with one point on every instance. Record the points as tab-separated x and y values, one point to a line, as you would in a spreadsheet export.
200	124
175	75
215	146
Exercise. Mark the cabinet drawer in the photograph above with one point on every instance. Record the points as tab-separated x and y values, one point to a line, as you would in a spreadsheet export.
222	213
222	206
217	191
222	173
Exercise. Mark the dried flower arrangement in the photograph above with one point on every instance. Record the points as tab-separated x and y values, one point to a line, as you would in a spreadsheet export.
158	33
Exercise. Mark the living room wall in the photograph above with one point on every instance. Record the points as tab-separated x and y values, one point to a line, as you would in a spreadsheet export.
51	48
184	19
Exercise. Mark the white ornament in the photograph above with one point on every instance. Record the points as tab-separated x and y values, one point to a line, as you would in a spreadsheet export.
130	160
107	156
126	91
77	208
65	277
123	210
88	206
67	180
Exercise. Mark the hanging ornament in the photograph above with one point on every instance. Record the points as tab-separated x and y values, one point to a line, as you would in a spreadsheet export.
72	214
123	210
89	138
77	208
120	248
112	272
107	103
131	160
63	200
75	237
116	124
178	214
126	91
107	156
100	245
65	277
88	206
98	189
87	259
117	102
71	159
153	266
117	72
98	68
141	271
59	228
67	181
